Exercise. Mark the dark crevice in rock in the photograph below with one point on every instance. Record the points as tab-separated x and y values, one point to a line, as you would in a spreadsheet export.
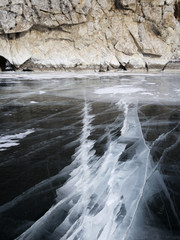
172	65
106	67
5	65
36	12
122	67
146	66
155	30
103	68
151	55
2	63
136	43
59	39
41	28
177	10
142	9
26	66
120	6
17	35
165	66
72	24
49	4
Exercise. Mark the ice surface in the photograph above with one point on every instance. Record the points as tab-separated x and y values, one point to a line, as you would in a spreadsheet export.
102	197
117	194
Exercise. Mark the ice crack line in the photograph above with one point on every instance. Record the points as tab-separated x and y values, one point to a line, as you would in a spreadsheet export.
102	196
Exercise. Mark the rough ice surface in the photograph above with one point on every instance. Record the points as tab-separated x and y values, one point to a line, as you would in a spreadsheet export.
126	191
102	197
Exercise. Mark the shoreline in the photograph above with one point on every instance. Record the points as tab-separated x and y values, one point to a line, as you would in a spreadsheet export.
61	73
170	66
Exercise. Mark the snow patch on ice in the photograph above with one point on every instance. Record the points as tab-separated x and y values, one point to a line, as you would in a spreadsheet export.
146	93
33	102
41	92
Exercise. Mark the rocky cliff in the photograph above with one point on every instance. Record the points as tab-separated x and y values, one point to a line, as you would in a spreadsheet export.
90	34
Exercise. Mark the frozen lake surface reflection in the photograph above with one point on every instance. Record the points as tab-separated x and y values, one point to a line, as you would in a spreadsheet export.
89	156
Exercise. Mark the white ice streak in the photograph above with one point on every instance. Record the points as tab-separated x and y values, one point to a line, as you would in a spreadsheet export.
134	171
123	89
102	196
41	92
146	93
76	186
13	140
177	90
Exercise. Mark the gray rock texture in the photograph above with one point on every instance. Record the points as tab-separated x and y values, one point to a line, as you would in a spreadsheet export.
90	34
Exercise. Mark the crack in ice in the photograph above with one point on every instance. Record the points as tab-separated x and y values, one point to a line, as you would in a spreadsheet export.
102	196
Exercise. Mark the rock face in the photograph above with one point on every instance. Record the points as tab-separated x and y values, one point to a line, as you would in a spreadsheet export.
94	34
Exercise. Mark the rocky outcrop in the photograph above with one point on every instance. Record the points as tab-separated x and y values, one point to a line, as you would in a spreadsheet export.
90	34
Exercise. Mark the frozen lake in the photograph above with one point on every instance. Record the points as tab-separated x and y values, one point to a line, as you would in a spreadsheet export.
89	156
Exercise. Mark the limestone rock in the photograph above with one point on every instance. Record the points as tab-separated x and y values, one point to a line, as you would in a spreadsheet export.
48	13
136	63
3	3
94	34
